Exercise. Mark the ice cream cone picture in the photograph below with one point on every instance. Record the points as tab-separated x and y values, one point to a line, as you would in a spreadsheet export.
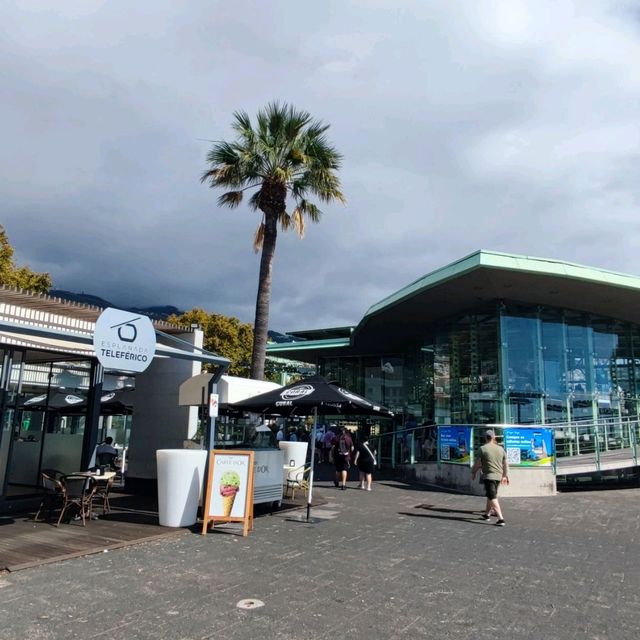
229	487
229	497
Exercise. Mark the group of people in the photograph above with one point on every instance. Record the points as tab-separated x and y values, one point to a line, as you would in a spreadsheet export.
342	452
491	461
337	446
293	435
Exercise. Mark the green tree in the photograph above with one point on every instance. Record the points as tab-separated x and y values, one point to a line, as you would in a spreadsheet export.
19	277
285	156
224	335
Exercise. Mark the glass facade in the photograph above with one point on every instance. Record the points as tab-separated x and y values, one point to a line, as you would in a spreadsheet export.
35	434
506	364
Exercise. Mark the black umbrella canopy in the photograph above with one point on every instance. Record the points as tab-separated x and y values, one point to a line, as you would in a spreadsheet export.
56	400
116	402
309	394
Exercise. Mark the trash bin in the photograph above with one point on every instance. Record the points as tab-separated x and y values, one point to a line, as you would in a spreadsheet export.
180	481
295	455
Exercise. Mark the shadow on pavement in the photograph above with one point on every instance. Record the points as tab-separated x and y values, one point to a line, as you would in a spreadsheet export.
434	516
430	507
415	486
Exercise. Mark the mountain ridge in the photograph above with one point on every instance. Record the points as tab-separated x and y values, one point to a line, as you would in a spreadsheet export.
155	312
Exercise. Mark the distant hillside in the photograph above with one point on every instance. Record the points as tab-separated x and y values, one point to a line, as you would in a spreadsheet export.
159	312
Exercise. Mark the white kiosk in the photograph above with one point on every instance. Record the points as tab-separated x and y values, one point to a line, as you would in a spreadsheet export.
268	458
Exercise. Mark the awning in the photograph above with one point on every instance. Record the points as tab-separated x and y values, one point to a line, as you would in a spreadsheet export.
73	342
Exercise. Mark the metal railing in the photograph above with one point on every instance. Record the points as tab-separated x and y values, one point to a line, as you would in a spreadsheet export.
601	444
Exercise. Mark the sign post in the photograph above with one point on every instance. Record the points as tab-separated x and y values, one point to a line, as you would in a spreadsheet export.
229	495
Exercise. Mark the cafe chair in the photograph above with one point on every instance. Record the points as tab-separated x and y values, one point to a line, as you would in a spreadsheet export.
298	479
101	494
52	497
78	492
107	460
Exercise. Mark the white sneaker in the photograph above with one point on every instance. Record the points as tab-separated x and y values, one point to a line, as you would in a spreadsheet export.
368	488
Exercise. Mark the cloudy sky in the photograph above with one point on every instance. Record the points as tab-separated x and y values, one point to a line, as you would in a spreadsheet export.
510	126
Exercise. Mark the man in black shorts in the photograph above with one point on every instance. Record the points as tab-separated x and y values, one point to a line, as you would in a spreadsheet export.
492	459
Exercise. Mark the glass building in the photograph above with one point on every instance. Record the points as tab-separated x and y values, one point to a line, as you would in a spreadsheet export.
492	338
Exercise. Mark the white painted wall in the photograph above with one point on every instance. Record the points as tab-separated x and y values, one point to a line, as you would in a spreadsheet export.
158	421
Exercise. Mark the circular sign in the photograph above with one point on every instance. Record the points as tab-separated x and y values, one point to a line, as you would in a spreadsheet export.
299	391
124	341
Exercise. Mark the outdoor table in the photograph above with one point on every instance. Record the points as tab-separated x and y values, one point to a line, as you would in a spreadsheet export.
102	489
103	477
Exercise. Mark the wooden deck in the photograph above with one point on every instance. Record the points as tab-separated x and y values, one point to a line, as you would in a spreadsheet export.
25	543
133	519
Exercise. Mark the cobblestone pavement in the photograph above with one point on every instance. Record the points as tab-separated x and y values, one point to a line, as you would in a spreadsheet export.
399	562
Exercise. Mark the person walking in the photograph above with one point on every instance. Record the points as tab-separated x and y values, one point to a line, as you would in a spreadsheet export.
365	460
492	459
342	450
329	440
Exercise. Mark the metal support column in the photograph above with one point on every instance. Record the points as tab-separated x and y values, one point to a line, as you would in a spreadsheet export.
93	414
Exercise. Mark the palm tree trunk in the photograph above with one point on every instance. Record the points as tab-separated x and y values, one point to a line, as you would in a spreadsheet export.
261	324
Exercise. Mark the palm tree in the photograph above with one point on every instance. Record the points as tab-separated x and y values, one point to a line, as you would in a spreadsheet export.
285	157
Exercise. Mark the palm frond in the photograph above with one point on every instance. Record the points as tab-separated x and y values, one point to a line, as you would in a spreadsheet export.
297	221
310	210
242	123
258	237
285	220
222	153
230	199
316	129
254	200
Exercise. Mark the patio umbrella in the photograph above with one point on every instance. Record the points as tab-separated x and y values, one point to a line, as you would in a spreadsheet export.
314	395
116	403
56	400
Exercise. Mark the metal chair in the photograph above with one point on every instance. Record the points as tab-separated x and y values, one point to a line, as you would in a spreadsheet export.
107	459
52	497
78	491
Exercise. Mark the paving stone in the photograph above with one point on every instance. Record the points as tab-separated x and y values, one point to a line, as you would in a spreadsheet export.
398	562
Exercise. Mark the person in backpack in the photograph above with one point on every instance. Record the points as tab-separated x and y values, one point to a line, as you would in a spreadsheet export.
365	460
342	450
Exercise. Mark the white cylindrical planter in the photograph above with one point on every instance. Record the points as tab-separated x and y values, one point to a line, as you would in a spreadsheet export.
180	481
295	455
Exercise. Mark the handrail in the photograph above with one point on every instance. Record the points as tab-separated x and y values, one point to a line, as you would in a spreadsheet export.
608	441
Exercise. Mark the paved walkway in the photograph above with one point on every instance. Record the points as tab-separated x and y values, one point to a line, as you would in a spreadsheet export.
399	562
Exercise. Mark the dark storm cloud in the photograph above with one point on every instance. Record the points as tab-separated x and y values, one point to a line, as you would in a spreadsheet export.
510	126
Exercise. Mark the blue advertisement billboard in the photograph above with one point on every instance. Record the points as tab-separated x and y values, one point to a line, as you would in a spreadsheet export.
529	447
454	445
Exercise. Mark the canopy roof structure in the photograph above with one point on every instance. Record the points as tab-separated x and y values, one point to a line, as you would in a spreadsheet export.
46	325
481	278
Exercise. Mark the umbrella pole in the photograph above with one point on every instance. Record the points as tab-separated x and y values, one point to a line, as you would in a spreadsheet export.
313	460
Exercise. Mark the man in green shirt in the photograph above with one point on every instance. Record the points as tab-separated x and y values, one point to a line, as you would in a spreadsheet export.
495	470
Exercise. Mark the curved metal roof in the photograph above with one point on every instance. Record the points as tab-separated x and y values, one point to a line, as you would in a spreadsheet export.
479	279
